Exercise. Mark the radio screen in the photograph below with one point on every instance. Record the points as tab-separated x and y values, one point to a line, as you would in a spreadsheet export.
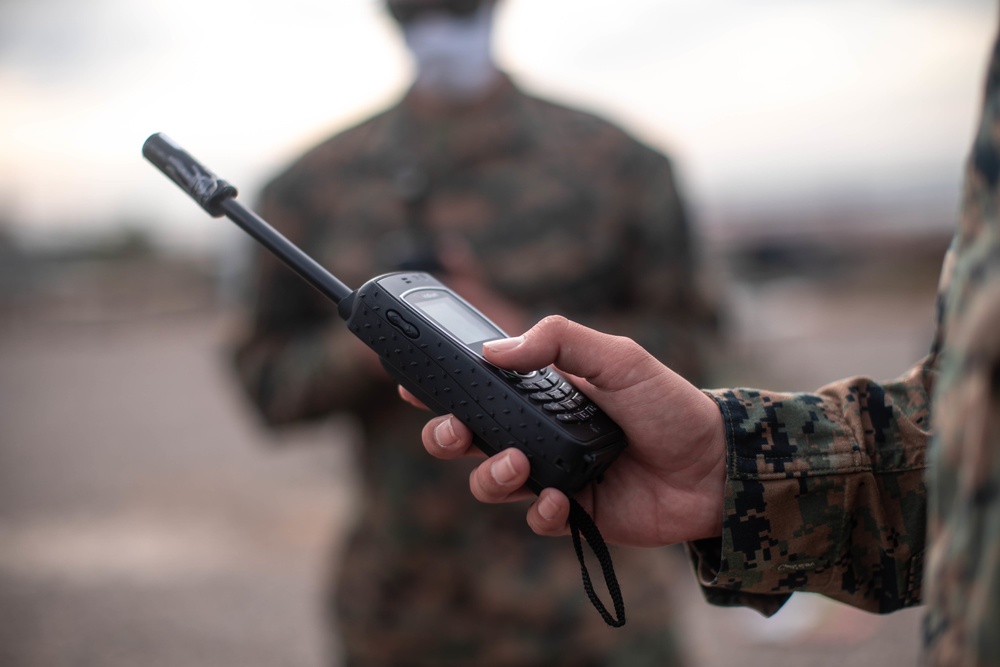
453	316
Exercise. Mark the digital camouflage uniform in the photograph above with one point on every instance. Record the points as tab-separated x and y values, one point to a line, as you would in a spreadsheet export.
828	492
563	213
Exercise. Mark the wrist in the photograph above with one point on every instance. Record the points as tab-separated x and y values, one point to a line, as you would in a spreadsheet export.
713	447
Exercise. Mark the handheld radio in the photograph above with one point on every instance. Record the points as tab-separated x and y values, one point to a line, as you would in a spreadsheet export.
430	341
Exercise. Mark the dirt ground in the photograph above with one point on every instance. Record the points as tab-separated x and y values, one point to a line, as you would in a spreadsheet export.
145	519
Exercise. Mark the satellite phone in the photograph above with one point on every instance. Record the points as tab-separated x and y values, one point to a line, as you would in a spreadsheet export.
430	340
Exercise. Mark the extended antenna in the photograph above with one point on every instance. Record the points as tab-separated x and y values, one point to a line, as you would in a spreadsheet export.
217	197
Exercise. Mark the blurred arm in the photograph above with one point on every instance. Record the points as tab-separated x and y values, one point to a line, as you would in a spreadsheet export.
669	310
296	360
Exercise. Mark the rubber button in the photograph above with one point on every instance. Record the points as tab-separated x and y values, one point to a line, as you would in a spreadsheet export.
396	320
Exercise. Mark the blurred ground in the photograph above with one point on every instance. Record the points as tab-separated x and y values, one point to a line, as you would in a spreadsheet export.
144	519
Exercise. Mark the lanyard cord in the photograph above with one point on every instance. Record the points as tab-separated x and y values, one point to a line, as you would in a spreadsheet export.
580	522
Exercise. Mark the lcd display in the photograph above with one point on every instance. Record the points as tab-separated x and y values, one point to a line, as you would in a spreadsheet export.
453	316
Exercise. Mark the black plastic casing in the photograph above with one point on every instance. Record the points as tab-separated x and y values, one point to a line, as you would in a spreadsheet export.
449	376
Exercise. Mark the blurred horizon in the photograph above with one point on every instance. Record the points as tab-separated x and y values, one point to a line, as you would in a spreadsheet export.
783	112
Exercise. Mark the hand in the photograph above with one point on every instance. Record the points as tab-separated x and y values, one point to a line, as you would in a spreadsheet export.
665	487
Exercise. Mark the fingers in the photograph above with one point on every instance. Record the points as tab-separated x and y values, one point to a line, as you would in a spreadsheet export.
447	438
501	478
550	514
410	398
498	480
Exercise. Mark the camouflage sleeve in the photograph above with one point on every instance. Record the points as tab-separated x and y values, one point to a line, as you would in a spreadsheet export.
294	358
824	493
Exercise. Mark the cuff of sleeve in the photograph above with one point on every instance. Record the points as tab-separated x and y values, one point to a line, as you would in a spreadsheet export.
706	558
767	550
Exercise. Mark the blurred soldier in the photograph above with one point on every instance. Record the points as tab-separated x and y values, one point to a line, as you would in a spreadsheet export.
524	207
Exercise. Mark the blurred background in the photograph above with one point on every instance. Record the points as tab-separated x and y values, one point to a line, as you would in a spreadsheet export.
143	516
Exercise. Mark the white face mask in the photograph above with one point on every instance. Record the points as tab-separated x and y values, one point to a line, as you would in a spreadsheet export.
452	54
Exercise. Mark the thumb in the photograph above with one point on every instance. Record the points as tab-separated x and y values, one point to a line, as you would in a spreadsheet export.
607	362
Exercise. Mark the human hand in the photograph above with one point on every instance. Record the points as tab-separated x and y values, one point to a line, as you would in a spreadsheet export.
665	487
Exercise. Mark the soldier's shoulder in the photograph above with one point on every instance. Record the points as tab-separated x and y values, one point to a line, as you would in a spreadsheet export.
576	127
340	150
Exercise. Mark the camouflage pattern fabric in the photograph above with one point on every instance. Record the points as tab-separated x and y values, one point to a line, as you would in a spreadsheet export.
963	574
561	212
827	492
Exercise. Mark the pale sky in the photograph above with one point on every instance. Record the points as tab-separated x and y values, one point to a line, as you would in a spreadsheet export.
756	101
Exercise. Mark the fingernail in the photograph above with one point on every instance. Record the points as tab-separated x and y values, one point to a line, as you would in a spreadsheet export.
547	508
504	344
503	470
444	434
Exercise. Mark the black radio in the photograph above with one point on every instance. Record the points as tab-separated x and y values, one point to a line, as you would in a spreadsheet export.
430	340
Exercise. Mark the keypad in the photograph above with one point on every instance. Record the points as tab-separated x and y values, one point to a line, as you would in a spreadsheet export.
540	382
558	397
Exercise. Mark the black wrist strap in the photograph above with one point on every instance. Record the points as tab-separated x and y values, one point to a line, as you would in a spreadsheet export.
580	522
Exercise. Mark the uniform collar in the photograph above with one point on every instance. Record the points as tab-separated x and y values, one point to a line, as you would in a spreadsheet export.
451	136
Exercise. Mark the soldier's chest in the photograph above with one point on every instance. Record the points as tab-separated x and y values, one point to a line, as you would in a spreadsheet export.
497	204
532	223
